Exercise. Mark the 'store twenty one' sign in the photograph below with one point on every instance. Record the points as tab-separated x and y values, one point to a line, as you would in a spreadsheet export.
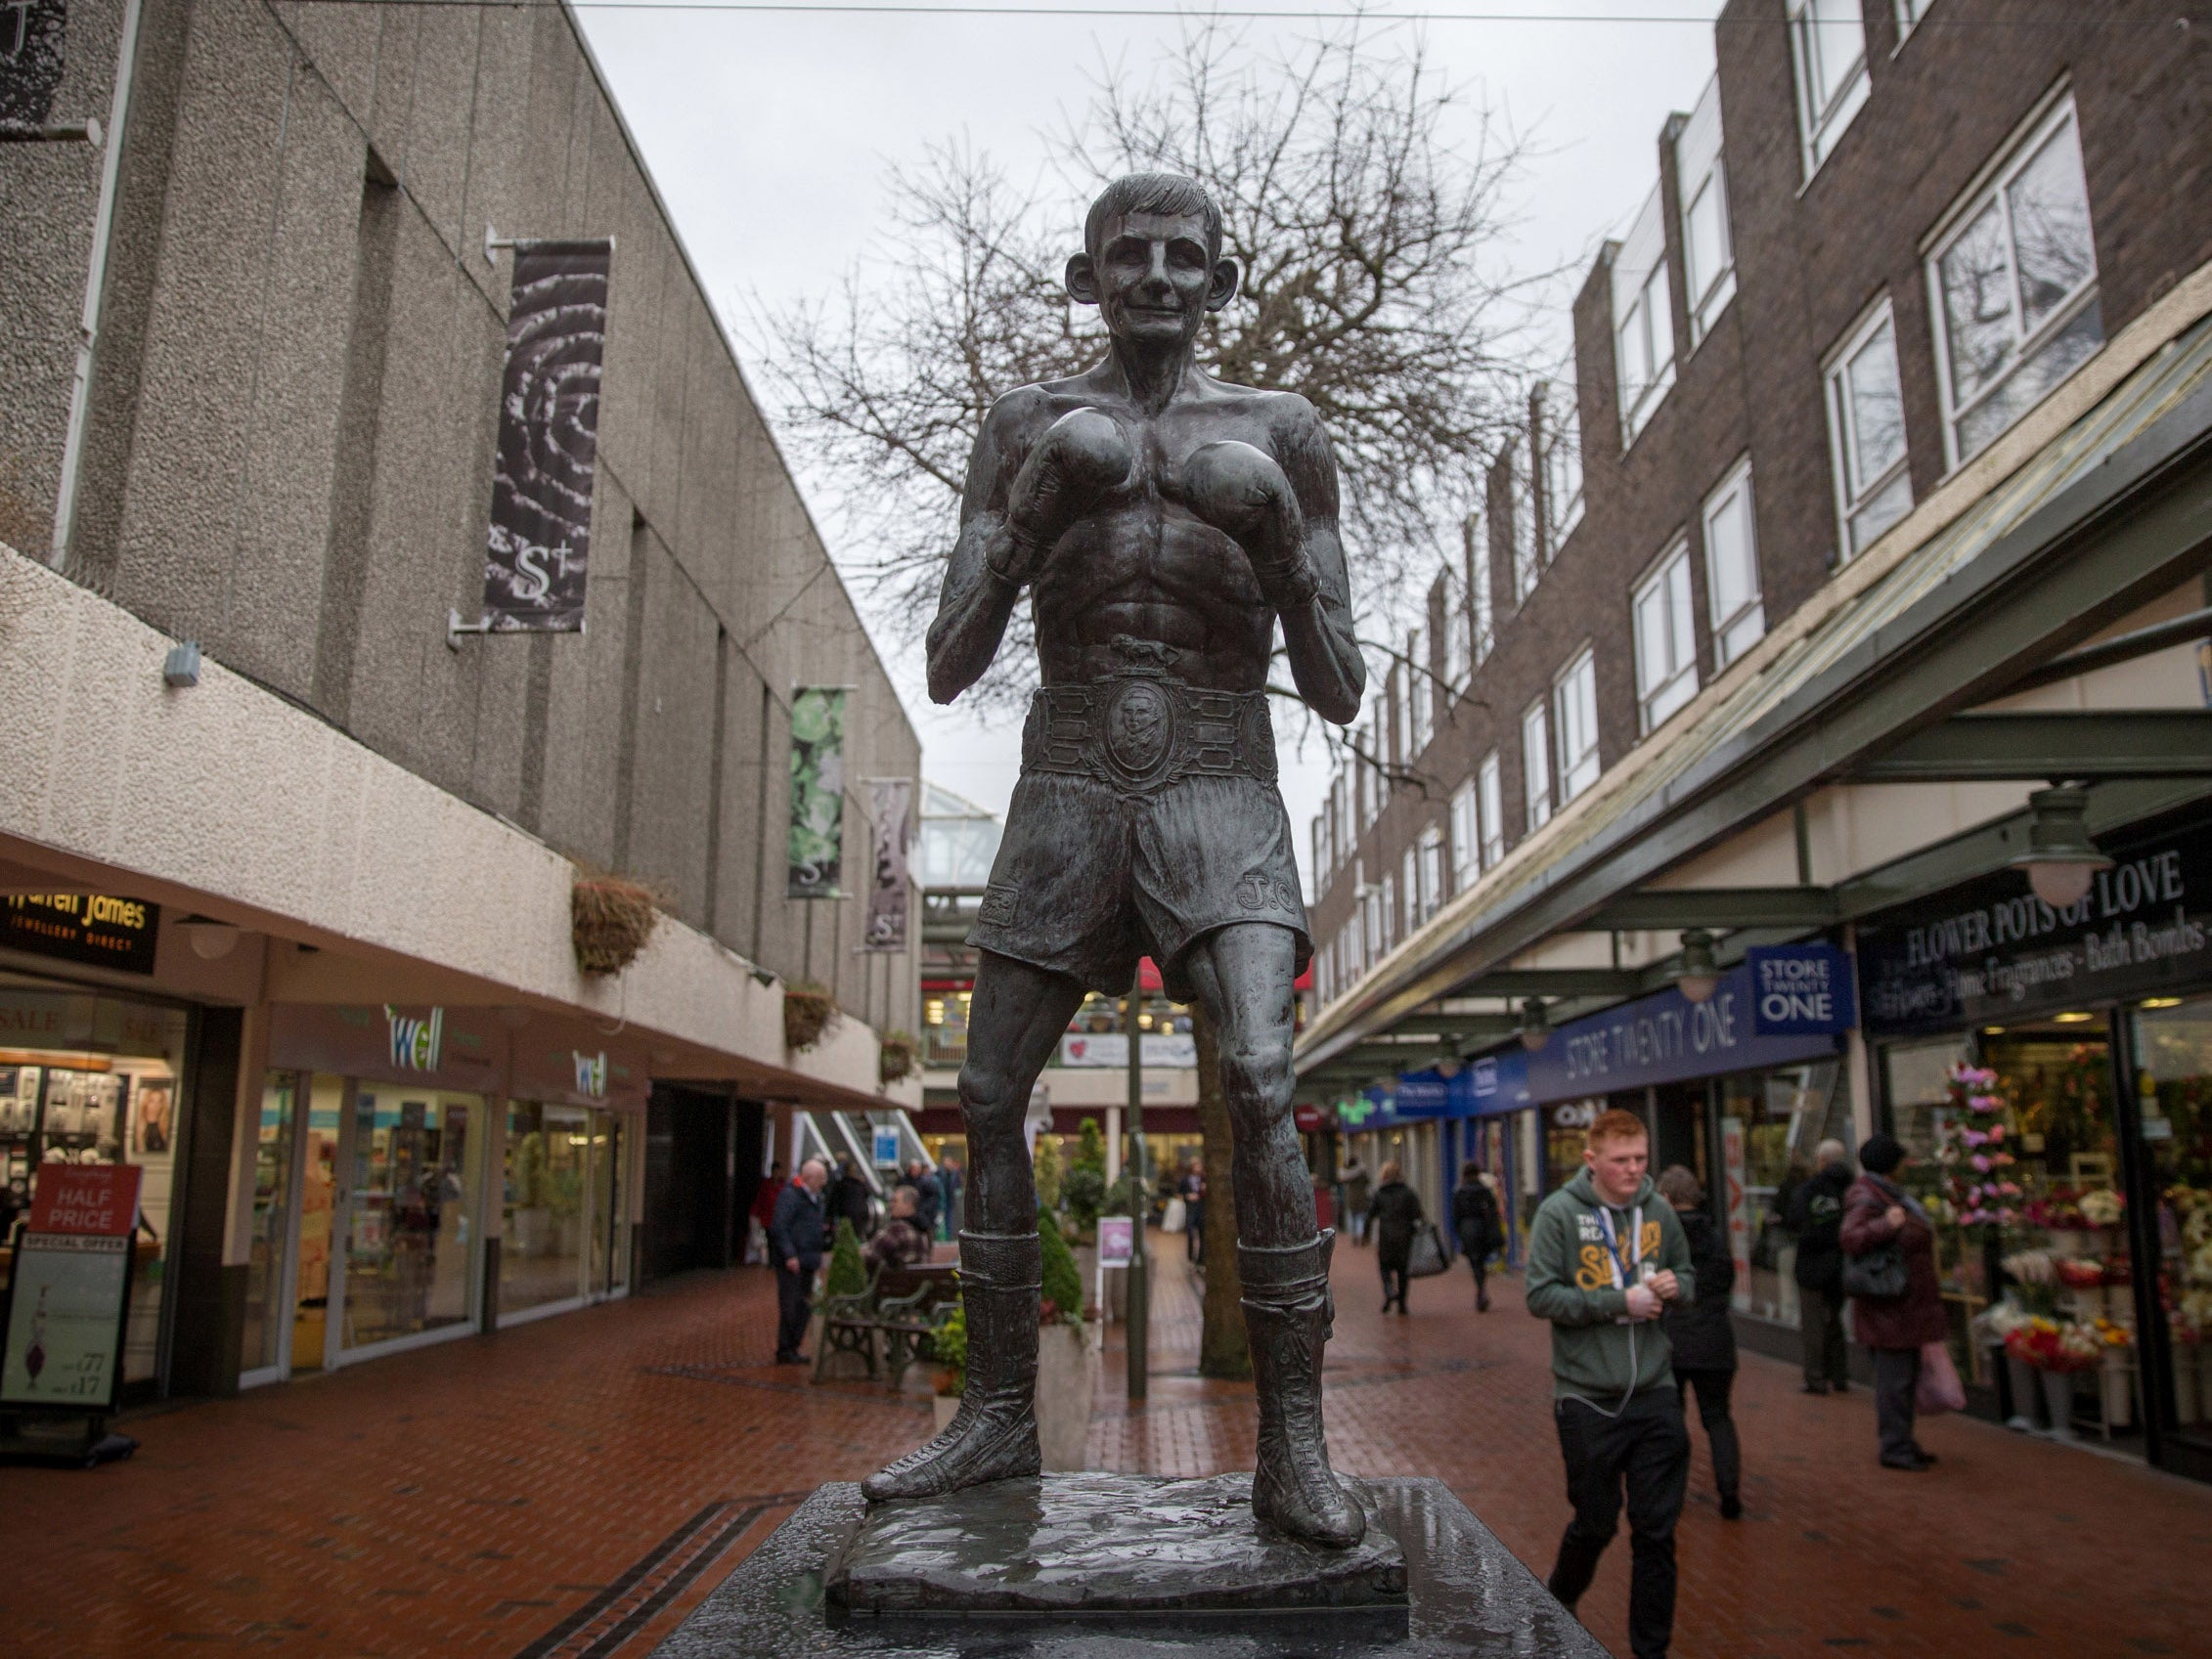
1799	990
1991	949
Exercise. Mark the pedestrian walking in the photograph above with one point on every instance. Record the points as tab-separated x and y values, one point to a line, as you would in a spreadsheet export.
1193	1192
950	1179
1816	1216
902	1243
1882	1220
848	1199
1702	1336
1475	1219
1392	1216
795	1245
1605	1256
928	1195
1357	1190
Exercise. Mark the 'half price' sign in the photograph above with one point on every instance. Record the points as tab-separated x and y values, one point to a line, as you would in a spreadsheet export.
97	1199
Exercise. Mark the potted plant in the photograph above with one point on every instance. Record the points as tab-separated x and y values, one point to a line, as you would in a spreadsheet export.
847	1275
809	1012
1067	1354
897	1057
609	921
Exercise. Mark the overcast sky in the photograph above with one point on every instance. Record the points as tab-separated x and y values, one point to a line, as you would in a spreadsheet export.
769	135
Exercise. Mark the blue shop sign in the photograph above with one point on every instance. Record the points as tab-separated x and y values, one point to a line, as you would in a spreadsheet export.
1664	1038
1498	1082
1801	990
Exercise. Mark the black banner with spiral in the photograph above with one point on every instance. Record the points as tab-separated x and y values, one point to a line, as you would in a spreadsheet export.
540	547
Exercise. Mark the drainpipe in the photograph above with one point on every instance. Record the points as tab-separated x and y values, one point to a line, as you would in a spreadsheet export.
95	284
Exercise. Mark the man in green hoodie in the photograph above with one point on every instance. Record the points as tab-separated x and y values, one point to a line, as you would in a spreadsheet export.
1604	1255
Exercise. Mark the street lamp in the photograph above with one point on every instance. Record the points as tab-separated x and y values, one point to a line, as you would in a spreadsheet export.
1535	1028
1699	976
1447	1056
2060	859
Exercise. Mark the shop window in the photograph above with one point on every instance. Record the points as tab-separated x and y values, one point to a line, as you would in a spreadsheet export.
1732	568
1828	41
546	1220
413	1213
1643	320
1666	638
2013	288
2173	1043
1708	254
1770	1124
944	1025
1866	433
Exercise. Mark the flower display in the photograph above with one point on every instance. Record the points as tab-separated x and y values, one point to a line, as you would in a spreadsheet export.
1972	1152
2103	1206
2054	1344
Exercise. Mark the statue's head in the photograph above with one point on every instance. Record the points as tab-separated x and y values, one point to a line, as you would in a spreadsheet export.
1152	258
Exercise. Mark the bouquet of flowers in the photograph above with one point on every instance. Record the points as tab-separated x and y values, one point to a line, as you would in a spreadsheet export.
2113	1336
2081	1273
2054	1344
2103	1206
1972	1154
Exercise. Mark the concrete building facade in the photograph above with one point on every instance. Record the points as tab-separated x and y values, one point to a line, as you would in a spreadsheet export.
250	400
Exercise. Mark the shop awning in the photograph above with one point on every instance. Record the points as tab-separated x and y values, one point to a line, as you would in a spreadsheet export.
2046	539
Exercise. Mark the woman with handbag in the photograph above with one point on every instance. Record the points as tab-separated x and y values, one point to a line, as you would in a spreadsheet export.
1896	1300
1392	1216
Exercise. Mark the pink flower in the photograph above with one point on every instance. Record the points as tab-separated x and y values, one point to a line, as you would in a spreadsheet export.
1980	1162
2009	1189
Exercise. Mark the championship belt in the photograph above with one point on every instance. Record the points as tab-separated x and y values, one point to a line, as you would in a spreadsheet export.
1140	732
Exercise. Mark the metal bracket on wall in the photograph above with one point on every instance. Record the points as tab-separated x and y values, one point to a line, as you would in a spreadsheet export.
456	627
51	132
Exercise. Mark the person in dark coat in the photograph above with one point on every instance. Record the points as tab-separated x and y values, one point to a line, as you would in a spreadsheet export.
848	1199
795	1245
902	1243
1702	1339
928	1198
1392	1213
1876	1211
1474	1221
1192	1189
1816	1217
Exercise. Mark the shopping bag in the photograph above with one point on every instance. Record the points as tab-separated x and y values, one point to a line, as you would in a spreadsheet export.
1939	1390
1429	1256
1173	1220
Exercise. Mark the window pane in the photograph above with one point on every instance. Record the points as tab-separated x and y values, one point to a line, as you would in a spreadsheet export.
1884	509
1678	603
1977	278
1708	248
1536	764
1876	410
1489	798
2057	358
2049	209
1835	37
1728	551
1653	638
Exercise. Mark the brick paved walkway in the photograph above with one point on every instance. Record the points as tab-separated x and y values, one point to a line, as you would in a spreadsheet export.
574	1486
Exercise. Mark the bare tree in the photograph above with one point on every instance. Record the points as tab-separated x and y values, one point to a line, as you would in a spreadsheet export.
1370	286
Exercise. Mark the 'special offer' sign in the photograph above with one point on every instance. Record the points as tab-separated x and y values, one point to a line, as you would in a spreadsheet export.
1801	990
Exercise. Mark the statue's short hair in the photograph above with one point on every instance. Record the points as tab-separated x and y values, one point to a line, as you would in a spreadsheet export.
1153	192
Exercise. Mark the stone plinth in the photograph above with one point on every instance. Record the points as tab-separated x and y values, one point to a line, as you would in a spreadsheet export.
1467	1597
1085	1544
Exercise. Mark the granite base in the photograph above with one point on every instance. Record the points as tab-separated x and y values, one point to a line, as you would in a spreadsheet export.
1467	1597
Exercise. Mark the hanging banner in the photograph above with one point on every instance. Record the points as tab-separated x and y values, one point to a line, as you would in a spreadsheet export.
817	855
892	802
549	449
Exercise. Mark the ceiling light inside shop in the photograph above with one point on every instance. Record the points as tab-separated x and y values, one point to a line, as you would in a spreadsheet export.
2060	860
2073	1018
2161	1002
210	941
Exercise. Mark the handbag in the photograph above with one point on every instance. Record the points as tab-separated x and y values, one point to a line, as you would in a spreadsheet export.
1879	1275
1939	1388
1428	1257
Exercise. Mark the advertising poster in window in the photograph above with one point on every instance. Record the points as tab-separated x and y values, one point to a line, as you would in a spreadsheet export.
69	1290
540	546
816	857
891	800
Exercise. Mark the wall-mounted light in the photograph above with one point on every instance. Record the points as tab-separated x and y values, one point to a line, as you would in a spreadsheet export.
180	667
1447	1057
1536	1025
1700	974
210	941
2060	860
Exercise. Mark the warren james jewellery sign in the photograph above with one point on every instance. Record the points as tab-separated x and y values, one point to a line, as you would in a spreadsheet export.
99	927
548	447
1664	1038
1991	949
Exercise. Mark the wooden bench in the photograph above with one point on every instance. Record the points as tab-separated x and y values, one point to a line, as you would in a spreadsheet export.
902	1306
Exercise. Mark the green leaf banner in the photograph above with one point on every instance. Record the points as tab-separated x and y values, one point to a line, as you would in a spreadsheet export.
816	857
